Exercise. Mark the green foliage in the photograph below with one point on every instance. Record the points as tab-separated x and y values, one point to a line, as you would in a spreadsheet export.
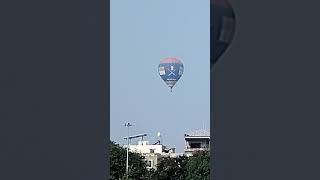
137	166
150	174
198	166
117	161
118	155
170	168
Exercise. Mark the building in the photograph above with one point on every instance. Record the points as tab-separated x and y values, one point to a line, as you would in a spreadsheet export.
196	141
143	147
152	152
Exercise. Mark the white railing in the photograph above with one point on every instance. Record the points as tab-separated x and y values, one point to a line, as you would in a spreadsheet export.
196	149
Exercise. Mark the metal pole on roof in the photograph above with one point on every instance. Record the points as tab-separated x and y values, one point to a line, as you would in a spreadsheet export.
127	167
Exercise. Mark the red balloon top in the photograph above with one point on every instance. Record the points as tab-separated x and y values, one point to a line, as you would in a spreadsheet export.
171	60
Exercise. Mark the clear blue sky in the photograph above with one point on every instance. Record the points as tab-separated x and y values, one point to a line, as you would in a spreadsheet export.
142	33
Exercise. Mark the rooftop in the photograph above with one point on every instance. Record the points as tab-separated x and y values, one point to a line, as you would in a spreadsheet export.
201	133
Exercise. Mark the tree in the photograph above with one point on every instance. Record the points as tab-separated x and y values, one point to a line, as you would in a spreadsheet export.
170	168
198	166
150	174
117	161
137	164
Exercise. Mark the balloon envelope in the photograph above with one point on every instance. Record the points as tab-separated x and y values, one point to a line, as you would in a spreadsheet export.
222	22
170	70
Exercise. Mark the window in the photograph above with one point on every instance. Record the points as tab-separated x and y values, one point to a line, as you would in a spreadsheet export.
195	145
151	150
149	163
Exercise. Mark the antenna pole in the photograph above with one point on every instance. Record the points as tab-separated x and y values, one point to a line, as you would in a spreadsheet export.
159	137
127	167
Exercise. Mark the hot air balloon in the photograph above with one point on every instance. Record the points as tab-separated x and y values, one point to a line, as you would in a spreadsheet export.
170	70
222	28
